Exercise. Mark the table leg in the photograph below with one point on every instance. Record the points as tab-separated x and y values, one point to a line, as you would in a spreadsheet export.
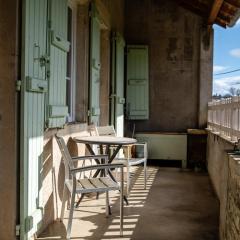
111	158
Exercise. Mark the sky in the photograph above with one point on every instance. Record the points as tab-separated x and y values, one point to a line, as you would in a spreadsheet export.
226	58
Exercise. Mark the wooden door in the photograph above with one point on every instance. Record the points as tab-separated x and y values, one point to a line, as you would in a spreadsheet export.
33	88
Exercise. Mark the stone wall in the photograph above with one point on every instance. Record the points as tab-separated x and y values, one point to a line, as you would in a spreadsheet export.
180	61
224	173
232	231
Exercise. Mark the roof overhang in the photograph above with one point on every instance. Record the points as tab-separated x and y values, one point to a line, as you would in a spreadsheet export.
224	13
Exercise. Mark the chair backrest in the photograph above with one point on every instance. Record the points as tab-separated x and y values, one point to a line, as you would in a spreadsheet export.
105	131
65	154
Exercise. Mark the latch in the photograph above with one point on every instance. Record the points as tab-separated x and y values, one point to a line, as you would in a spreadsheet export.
18	85
18	230
44	60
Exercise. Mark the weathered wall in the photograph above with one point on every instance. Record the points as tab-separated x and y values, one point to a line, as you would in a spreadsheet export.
173	35
8	114
225	176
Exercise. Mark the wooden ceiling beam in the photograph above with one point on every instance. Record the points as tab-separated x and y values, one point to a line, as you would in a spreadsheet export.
221	22
214	11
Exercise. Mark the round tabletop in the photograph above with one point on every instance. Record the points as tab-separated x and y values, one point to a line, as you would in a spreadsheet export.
105	140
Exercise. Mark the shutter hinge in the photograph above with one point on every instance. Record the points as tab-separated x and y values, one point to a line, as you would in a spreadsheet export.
18	230
18	85
89	113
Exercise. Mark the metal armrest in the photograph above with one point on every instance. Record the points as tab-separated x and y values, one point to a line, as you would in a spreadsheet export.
97	167
140	144
90	157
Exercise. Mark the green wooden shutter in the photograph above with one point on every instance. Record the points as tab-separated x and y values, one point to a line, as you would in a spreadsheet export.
94	101
137	82
57	109
117	90
33	88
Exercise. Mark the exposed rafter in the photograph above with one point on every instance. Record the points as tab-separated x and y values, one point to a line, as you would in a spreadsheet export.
214	11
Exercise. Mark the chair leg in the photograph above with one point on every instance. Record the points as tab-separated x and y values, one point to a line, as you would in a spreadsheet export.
145	174
69	227
121	203
128	179
107	204
64	199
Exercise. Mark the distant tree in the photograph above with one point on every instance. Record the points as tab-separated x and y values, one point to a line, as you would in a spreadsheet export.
232	91
238	92
216	96
228	95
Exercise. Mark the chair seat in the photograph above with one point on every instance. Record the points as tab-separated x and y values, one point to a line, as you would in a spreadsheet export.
88	185
129	161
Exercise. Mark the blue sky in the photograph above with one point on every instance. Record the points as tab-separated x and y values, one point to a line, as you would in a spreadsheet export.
226	58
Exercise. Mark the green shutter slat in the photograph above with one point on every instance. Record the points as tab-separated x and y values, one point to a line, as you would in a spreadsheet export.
119	118
137	82
94	101
58	47
33	75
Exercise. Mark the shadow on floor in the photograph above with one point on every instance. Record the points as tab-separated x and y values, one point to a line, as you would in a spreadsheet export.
176	205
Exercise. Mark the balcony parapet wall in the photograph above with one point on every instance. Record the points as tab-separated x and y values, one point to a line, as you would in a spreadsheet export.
224	117
224	171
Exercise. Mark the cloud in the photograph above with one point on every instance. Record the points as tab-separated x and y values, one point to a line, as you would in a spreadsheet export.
218	68
238	22
235	52
222	85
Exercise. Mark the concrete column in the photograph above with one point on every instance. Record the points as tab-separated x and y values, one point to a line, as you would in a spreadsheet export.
8	110
205	74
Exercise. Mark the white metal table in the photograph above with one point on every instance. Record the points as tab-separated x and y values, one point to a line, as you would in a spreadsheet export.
107	142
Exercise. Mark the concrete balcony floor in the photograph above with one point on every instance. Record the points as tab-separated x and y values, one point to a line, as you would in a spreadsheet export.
177	205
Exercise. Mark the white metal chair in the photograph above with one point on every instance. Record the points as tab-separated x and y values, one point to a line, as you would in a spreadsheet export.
128	161
87	185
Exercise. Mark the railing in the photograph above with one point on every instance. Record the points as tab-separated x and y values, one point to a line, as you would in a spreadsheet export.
224	117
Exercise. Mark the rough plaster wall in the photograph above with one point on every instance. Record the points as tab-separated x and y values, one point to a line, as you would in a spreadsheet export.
173	36
8	97
217	161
